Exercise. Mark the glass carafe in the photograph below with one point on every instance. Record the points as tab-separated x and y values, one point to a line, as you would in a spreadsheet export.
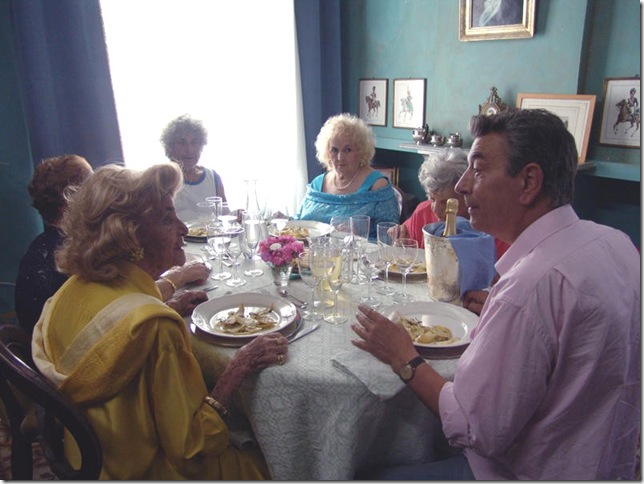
252	201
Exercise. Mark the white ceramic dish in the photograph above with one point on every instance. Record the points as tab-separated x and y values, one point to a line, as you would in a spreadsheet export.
316	229
207	314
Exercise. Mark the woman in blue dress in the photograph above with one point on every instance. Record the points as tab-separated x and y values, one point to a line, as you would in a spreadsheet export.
345	147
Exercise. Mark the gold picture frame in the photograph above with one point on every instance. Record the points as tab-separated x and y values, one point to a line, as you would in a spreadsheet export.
496	20
575	110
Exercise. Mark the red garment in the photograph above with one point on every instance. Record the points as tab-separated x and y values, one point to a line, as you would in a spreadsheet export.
424	215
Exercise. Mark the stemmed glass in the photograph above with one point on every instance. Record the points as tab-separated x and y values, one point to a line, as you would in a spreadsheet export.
311	266
405	254
207	214
225	214
254	231
234	250
335	276
342	234
370	270
279	218
386	253
218	241
360	231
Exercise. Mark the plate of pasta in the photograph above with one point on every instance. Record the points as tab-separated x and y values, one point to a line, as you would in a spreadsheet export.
304	229
196	232
435	326
244	316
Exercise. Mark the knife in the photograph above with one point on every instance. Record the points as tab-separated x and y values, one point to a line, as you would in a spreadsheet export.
304	332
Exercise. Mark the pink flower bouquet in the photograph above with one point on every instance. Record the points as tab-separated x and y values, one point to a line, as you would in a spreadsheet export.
280	250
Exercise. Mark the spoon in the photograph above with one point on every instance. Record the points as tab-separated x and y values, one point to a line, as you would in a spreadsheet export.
298	302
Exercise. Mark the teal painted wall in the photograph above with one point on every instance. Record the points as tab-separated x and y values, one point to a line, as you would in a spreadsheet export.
576	45
20	222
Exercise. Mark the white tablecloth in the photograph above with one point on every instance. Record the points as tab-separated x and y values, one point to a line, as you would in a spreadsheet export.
315	419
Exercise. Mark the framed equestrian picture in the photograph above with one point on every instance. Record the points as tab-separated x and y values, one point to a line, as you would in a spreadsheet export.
575	110
621	112
496	19
372	100
408	108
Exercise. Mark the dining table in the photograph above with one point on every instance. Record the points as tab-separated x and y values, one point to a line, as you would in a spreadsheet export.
331	409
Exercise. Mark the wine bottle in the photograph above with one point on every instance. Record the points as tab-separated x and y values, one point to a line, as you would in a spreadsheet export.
450	217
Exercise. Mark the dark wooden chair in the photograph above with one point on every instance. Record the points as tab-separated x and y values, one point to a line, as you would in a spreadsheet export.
21	386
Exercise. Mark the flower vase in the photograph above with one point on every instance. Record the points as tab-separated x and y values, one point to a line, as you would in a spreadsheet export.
281	274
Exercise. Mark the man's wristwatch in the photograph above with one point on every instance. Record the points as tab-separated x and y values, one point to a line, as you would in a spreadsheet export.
408	370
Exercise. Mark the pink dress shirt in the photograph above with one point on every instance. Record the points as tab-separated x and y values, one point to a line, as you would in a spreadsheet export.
549	388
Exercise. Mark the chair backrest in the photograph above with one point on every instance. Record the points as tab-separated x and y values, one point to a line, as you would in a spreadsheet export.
21	385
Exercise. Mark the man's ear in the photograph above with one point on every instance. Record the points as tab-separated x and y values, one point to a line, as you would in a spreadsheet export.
532	178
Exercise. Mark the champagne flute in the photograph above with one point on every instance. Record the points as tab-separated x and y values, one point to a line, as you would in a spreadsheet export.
218	240
360	230
405	253
234	250
336	277
310	264
254	231
386	252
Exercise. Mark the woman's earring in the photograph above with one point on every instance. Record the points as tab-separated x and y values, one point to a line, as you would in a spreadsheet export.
136	254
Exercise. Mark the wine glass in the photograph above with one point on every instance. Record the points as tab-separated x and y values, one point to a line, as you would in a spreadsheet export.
386	252
336	277
360	230
368	266
225	214
405	254
206	214
311	266
218	240
279	218
234	250
342	233
254	231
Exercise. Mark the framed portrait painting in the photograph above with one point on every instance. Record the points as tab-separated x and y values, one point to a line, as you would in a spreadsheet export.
496	19
372	101
575	110
621	112
408	108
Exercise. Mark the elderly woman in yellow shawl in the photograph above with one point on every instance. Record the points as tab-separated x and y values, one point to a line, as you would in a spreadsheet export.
115	349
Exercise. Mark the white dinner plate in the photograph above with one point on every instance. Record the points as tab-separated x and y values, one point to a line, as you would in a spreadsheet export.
316	229
207	315
192	226
459	320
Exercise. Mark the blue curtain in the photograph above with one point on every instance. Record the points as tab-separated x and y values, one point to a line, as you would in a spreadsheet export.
65	82
319	45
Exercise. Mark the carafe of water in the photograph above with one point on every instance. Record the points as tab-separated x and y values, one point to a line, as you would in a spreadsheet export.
252	202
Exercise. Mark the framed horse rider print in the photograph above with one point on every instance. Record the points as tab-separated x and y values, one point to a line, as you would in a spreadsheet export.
621	112
372	100
408	106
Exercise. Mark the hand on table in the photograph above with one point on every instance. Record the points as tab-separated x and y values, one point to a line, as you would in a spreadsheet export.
388	341
474	300
186	302
192	271
398	232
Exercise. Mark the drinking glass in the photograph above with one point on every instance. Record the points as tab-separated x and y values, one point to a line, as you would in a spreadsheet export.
206	214
225	214
386	253
335	276
342	233
234	250
360	231
254	231
311	265
279	218
218	241
405	254
216	201
368	266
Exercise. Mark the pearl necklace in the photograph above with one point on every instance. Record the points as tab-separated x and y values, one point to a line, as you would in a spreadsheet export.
344	187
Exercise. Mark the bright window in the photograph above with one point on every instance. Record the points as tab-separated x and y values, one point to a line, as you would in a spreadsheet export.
231	64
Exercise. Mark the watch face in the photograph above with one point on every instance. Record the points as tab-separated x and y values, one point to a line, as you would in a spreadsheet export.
406	372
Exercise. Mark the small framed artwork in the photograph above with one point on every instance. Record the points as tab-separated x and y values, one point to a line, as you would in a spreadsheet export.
621	112
496	19
575	110
408	109
372	101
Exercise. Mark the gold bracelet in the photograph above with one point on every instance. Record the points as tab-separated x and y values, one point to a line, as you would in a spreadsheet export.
174	288
221	410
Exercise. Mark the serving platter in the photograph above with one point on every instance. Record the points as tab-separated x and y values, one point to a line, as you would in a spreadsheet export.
457	319
208	314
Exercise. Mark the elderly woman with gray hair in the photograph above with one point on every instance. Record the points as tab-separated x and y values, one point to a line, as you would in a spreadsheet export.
437	175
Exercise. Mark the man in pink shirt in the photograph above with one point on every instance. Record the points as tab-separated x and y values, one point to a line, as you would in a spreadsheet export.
549	387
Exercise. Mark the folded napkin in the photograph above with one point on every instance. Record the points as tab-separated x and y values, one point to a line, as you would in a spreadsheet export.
475	251
377	377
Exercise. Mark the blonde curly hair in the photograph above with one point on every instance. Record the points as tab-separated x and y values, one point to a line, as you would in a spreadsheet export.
103	216
355	129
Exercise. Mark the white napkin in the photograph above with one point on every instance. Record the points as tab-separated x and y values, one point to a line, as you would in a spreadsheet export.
377	377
